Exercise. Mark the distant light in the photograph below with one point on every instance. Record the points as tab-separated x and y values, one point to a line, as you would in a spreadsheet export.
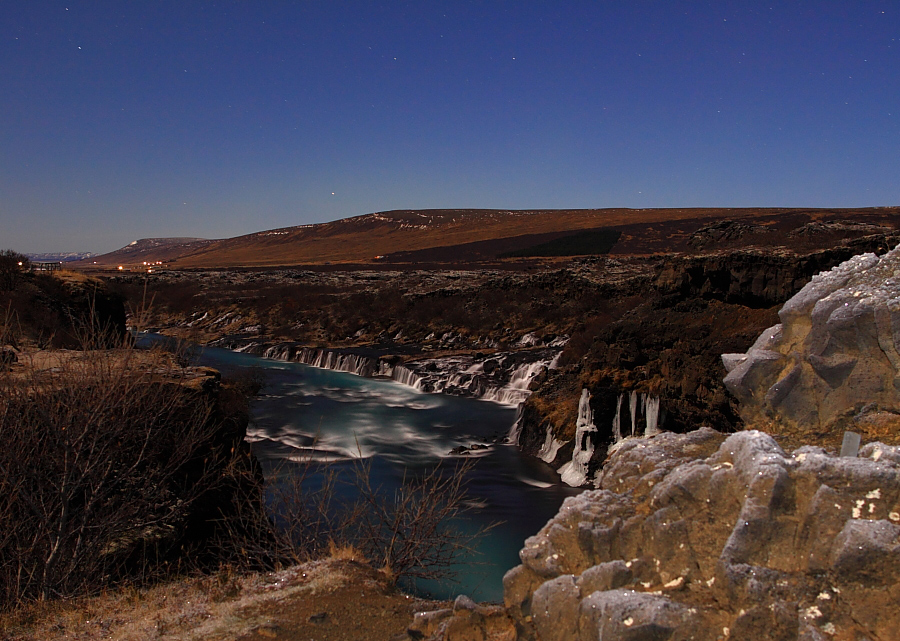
120	267
20	263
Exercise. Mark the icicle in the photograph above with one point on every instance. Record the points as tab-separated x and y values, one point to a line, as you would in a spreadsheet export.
633	406
652	416
617	421
550	447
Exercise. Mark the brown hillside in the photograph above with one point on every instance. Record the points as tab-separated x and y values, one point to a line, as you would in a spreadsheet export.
422	236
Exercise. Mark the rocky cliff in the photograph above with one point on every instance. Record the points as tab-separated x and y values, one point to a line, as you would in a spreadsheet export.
833	362
758	277
702	536
667	345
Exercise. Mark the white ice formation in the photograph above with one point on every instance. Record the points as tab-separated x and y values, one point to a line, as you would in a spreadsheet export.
575	472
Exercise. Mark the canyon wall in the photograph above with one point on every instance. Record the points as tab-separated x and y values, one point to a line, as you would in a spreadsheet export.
668	346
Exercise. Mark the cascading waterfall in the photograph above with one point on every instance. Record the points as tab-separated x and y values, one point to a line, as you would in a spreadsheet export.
327	359
516	391
651	412
513	436
617	421
406	376
575	472
451	375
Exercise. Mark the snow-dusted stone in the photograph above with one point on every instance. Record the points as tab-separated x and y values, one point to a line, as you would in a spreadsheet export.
834	353
708	536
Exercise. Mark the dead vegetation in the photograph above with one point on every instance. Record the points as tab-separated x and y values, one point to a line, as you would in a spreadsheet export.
123	468
411	533
106	460
325	599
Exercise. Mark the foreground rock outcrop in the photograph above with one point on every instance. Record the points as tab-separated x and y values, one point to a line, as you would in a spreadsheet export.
699	536
833	361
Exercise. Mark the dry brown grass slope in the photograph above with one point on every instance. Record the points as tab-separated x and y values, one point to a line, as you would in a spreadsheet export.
360	239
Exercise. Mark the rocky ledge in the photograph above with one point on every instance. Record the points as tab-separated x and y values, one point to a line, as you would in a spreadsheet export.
702	536
833	363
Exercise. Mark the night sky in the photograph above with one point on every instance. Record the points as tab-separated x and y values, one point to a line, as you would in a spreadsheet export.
123	120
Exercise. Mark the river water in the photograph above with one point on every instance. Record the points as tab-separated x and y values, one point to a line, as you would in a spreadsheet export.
306	413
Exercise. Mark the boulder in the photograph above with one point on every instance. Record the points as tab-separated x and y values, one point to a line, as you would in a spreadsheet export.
708	536
833	361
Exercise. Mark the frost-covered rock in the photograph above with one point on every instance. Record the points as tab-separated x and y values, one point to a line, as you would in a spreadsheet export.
703	536
834	354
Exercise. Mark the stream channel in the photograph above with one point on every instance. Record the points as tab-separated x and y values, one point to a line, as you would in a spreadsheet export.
306	413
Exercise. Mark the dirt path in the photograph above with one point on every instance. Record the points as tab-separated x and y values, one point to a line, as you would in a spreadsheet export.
319	601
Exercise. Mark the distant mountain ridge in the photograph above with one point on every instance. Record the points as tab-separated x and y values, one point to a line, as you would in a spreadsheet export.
464	235
150	250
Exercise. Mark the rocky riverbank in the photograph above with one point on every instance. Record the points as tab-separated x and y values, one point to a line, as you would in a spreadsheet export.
703	536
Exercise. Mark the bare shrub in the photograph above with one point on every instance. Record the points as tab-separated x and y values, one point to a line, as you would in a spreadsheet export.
12	266
102	465
411	533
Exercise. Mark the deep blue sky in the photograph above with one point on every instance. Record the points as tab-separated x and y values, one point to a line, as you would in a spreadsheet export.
121	120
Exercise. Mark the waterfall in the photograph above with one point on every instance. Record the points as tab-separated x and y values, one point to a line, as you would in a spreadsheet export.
617	421
550	447
575	472
326	359
516	390
458	375
633	406
406	376
513	437
652	415
278	352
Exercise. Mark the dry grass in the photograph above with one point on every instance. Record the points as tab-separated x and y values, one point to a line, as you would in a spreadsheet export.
221	607
360	239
